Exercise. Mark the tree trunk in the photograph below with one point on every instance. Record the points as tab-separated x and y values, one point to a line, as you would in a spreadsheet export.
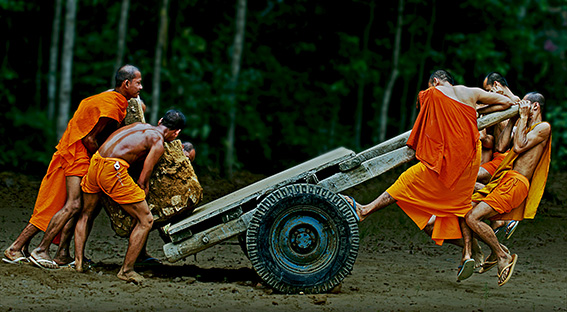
162	36
122	25
362	81
53	58
422	63
66	67
235	70
393	76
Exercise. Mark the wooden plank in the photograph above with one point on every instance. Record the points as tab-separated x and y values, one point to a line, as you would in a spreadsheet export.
368	169
208	238
400	140
496	117
377	150
259	188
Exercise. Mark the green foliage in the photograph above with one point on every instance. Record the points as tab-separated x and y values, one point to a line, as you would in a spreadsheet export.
27	151
557	116
302	65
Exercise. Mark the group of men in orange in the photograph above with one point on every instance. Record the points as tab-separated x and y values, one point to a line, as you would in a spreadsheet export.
438	193
92	158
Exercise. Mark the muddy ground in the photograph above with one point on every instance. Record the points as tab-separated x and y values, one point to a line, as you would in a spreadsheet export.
398	268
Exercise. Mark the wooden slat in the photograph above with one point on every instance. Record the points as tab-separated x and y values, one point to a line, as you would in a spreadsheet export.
208	238
261	187
400	140
368	169
377	150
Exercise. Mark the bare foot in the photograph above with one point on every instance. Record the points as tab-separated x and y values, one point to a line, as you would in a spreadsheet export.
79	266
63	260
130	276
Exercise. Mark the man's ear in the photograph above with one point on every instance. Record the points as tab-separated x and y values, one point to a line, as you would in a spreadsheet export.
159	122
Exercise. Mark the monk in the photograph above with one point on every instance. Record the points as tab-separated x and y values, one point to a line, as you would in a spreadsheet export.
59	196
446	140
495	82
516	188
108	174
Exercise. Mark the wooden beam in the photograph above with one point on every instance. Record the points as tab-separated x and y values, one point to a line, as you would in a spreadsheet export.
400	140
368	169
496	117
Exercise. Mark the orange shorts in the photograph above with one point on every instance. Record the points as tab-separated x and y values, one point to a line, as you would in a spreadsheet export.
492	165
509	193
110	175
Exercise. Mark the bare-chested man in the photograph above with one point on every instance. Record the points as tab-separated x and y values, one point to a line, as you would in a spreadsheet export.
108	173
509	189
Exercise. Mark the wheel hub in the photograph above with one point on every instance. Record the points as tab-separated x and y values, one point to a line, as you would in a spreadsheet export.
303	239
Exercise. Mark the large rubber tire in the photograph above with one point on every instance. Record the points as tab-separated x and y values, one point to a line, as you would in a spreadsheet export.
303	238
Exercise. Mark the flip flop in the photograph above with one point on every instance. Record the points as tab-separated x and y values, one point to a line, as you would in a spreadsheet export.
511	228
41	263
510	269
353	207
487	265
465	270
19	260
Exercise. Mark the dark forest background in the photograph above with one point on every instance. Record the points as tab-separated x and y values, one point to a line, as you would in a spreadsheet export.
278	85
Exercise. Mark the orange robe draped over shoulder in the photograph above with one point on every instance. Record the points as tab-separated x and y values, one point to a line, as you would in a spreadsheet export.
528	207
71	157
446	142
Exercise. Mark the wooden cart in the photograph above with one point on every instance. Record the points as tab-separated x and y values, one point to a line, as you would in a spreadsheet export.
298	233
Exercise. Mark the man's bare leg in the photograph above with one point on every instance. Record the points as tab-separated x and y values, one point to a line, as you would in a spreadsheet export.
58	221
474	220
476	250
144	221
63	254
380	202
83	227
20	245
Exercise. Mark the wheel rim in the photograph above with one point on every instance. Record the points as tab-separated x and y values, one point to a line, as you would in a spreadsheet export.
304	239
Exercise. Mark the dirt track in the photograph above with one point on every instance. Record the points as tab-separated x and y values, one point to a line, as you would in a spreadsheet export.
398	268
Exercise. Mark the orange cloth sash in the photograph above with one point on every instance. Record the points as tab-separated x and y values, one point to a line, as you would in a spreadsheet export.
71	157
110	175
444	136
109	104
509	193
527	208
421	194
492	165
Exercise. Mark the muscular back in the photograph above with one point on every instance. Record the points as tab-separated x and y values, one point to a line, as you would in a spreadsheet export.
472	96
132	142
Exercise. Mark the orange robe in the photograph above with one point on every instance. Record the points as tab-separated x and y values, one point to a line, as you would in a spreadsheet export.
446	142
528	208
110	175
494	163
71	157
